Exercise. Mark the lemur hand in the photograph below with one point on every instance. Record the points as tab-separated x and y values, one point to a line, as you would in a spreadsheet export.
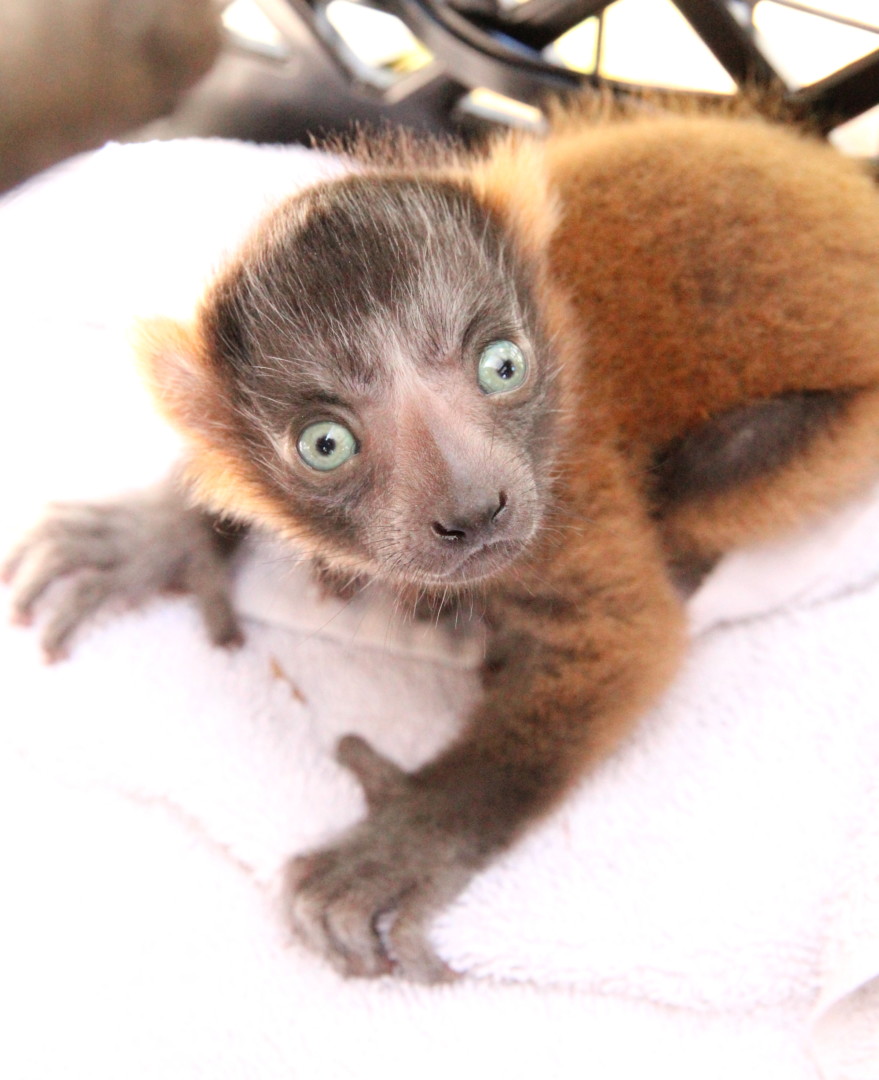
364	903
119	553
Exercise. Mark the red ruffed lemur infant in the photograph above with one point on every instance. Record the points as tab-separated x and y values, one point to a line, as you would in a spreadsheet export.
564	376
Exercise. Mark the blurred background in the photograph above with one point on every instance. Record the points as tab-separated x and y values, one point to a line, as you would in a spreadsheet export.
74	73
290	67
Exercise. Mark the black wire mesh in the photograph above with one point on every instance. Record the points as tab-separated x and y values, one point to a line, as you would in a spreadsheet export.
486	44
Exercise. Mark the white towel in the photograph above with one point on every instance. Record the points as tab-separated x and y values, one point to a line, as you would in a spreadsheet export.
705	905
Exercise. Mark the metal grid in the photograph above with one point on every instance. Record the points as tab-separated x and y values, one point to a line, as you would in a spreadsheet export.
486	44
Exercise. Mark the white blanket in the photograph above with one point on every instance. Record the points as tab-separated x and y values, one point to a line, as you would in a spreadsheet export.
706	905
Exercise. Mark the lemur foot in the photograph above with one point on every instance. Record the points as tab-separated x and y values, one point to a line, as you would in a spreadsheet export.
119	553
364	903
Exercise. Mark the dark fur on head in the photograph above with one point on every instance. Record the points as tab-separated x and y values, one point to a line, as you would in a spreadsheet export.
367	301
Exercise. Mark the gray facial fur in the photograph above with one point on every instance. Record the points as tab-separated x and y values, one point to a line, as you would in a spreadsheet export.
368	304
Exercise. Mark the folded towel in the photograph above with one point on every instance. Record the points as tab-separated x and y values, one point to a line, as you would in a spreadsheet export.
707	900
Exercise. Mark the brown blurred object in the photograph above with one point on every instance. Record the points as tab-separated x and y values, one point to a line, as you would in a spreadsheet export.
74	73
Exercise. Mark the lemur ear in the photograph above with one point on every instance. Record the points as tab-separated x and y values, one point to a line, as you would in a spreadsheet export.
177	372
189	392
513	182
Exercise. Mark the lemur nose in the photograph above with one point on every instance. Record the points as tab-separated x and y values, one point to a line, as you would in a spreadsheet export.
472	525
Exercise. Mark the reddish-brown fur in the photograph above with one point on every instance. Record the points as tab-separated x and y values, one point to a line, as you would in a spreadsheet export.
688	267
691	263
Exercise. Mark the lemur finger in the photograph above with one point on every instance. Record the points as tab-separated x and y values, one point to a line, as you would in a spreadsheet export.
329	917
32	540
35	570
207	578
90	590
380	779
86	516
12	560
84	544
410	952
220	618
307	917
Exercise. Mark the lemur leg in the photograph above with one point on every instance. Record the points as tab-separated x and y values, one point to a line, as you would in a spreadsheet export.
121	552
763	470
592	632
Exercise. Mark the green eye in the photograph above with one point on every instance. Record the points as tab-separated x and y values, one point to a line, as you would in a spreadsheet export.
325	445
502	367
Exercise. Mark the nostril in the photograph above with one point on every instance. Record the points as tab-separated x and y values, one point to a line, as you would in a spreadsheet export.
501	506
471	527
452	535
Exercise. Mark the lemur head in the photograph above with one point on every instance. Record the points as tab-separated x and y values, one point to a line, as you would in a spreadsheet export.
372	378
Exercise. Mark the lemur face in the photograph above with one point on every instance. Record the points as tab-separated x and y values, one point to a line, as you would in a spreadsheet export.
391	381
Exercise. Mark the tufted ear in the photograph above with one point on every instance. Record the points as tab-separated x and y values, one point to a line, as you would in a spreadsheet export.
513	182
190	392
174	366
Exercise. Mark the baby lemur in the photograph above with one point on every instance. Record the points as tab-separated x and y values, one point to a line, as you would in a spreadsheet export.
563	376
